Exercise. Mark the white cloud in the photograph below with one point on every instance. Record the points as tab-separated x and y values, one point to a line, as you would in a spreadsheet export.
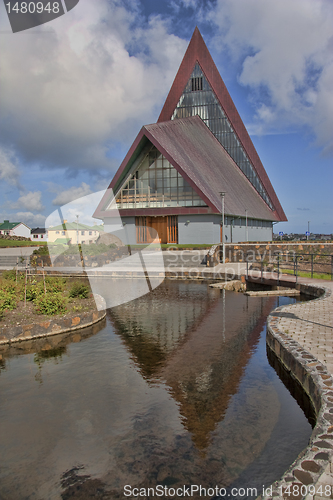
30	201
9	171
30	219
71	194
287	60
86	82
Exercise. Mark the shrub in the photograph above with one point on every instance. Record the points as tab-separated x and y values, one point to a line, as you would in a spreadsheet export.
9	275
10	287
33	291
79	290
50	304
54	285
8	302
44	250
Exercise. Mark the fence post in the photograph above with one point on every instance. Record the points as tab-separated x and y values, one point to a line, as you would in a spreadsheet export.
278	270
331	267
261	268
312	265
296	269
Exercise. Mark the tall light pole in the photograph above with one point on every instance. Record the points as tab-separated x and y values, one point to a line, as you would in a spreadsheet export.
77	229
222	193
307	236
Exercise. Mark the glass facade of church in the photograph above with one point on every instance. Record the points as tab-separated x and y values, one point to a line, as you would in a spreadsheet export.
199	99
156	183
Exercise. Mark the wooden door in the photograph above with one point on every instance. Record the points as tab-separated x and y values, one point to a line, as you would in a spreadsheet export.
165	227
160	226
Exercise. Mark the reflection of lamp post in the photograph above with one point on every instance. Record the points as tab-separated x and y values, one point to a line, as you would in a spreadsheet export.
222	193
223	323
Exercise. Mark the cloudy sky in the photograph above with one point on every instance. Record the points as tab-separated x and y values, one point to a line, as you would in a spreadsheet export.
75	92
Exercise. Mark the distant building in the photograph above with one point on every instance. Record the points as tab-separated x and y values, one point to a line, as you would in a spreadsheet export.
38	234
15	229
73	233
172	178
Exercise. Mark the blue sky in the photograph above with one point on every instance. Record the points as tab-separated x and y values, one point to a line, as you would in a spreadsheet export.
76	91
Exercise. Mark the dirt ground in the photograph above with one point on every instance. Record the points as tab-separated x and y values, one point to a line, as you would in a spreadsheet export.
25	315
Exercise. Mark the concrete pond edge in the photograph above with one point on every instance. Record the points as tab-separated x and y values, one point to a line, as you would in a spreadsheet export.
54	326
317	383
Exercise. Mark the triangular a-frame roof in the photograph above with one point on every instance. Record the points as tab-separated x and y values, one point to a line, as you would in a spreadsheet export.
197	52
197	155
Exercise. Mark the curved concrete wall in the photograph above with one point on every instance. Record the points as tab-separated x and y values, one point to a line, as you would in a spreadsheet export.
317	382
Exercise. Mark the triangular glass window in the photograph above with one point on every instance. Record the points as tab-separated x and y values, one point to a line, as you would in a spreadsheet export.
198	98
156	183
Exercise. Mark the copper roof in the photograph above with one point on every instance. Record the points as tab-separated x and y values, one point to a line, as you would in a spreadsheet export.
197	52
194	151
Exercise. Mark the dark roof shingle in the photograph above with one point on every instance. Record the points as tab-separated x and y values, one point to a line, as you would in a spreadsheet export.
191	147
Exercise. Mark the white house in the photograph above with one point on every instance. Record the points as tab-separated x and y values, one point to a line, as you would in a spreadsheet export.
38	234
15	229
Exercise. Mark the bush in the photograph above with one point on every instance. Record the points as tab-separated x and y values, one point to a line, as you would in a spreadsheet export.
54	285
9	275
8	302
44	250
10	287
50	304
79	290
33	291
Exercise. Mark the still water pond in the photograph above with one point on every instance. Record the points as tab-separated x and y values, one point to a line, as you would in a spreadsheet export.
173	388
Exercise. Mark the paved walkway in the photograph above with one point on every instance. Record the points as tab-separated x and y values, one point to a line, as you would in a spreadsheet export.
311	325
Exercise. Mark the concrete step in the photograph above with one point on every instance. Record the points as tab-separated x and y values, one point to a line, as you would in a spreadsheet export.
184	260
11	261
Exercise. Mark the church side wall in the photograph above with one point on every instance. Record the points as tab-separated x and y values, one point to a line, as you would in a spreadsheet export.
123	228
192	229
198	229
203	229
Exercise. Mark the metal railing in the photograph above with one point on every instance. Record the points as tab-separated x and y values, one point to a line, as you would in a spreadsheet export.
293	264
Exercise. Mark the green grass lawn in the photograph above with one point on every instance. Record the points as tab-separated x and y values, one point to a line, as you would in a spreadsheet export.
14	243
303	274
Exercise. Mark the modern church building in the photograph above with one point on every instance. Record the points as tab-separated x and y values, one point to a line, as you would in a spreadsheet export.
193	167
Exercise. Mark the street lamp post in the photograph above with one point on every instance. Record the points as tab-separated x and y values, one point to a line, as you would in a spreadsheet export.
307	236
222	193
77	229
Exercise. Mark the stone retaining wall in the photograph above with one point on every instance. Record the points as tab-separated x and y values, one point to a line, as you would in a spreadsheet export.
52	326
76	260
238	252
317	383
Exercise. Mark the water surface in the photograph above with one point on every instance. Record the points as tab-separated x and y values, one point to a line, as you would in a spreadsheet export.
174	389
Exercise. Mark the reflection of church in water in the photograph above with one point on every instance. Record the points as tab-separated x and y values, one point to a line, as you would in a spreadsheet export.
199	346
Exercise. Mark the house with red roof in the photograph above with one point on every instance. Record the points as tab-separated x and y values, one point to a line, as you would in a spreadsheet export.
195	175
